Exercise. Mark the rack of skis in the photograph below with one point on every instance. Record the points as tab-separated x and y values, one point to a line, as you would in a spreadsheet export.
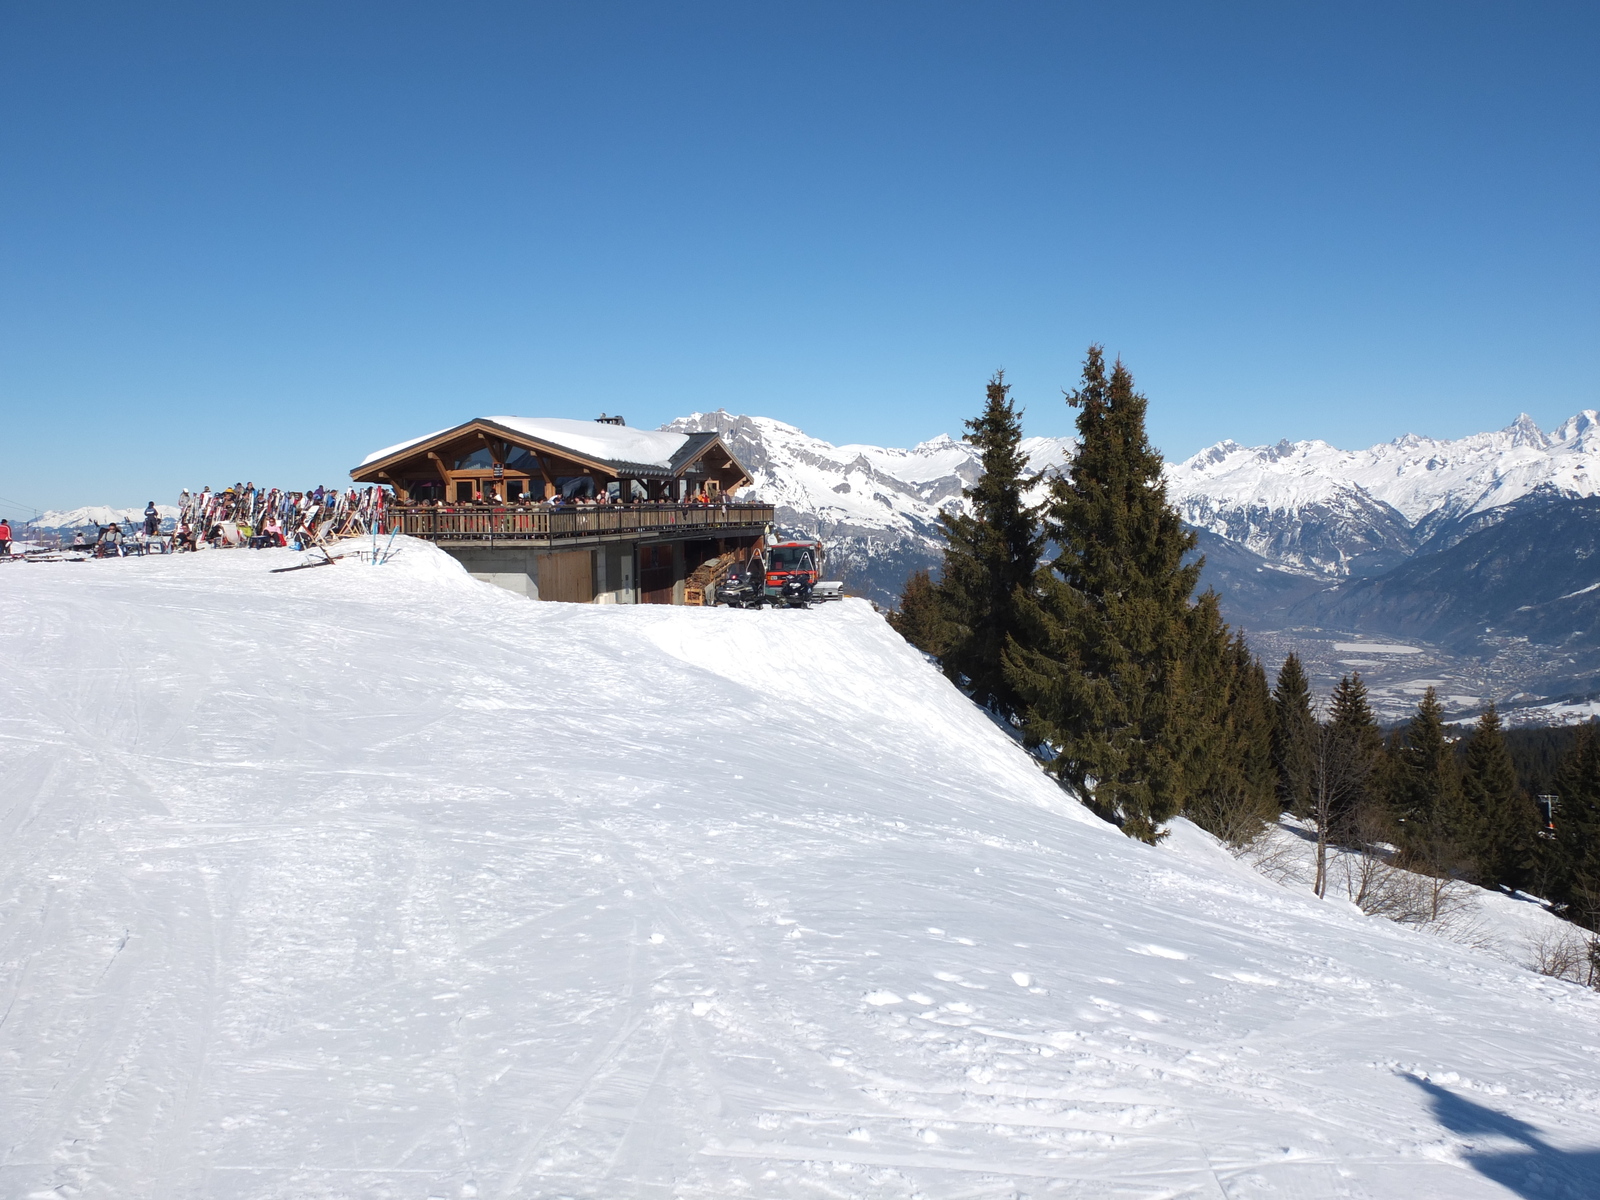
249	516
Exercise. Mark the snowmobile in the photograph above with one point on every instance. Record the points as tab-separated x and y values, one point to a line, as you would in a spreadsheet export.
792	570
738	587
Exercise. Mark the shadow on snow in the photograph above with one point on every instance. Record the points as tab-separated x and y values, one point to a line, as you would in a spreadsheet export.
1537	1171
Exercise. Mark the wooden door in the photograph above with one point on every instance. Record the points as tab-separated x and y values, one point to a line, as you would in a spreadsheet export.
655	574
567	576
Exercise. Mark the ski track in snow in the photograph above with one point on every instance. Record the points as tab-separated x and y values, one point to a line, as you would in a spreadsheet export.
384	883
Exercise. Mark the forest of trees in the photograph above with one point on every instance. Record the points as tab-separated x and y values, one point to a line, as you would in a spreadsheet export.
1076	621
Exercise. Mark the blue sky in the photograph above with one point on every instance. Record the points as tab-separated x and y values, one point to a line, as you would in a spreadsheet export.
257	240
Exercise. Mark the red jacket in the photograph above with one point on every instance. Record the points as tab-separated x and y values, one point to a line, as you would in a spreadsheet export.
5	531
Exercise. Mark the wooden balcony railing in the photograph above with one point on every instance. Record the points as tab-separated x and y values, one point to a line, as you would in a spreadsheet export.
485	523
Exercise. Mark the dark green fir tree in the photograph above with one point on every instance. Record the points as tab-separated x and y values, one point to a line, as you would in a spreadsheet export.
1437	828
1232	783
1573	870
1358	813
1505	817
920	619
991	557
1101	665
1294	732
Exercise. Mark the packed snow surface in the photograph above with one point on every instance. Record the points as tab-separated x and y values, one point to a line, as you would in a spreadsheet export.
380	882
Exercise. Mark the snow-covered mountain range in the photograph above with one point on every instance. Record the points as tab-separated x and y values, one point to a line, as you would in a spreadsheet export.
1312	507
871	489
1305	507
877	507
97	514
1312	549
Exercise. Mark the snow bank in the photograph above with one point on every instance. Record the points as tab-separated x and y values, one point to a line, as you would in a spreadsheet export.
370	881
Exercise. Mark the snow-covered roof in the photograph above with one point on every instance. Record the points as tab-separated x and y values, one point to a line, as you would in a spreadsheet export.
617	444
398	446
592	439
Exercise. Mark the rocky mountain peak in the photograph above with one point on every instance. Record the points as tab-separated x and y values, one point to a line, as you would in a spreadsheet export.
1525	431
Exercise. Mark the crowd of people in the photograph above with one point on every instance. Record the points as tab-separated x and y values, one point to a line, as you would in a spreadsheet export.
248	516
496	496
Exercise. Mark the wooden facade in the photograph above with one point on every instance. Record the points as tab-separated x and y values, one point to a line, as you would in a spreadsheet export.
513	460
525	523
574	511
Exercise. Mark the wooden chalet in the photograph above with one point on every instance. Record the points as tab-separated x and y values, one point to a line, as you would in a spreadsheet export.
579	511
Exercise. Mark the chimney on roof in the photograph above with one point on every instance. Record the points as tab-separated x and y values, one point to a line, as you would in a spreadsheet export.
602	419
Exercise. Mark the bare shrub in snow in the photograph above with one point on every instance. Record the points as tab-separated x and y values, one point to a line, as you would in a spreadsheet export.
1437	902
1229	818
1566	954
1339	769
1277	856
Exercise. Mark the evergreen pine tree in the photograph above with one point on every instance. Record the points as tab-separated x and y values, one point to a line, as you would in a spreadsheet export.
1358	813
1574	873
1506	819
991	556
1250	711
920	619
1232	782
1100	666
1437	828
1293	735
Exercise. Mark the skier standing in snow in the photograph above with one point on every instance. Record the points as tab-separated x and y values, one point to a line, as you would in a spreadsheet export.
152	520
5	538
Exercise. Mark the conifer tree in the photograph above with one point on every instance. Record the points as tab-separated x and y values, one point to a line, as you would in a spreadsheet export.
1436	827
991	556
1100	666
1506	819
1359	811
920	618
1574	872
1232	782
1293	735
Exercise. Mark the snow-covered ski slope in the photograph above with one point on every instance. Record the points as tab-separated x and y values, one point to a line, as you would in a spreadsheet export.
380	882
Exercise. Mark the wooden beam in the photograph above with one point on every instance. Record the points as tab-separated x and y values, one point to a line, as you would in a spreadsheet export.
399	488
444	475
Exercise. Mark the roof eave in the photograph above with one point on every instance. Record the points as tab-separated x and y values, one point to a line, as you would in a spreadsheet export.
524	440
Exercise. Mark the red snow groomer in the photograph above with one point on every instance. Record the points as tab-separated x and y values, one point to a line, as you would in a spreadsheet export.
792	572
785	574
